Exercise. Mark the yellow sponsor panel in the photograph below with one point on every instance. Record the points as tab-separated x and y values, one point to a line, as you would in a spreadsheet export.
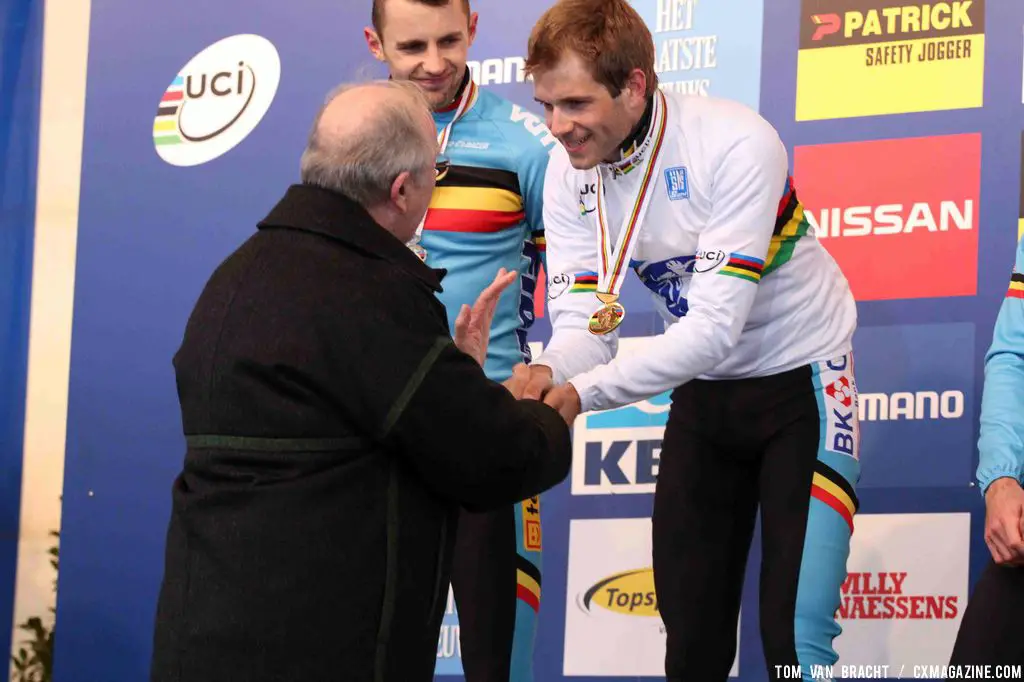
1020	228
836	82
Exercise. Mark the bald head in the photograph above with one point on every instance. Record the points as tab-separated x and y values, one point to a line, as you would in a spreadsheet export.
365	136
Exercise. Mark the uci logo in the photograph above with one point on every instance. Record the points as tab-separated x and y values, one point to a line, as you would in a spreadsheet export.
708	259
559	284
588	194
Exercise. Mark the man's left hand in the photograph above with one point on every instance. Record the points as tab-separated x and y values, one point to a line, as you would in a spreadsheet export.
566	400
473	325
1004	521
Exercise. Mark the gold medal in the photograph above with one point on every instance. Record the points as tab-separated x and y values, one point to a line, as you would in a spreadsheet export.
606	318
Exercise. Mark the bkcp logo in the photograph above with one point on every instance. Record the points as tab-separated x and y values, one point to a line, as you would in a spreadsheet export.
875	57
216	100
888	224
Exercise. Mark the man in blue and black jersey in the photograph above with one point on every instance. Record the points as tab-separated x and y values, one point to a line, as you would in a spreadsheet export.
485	214
990	631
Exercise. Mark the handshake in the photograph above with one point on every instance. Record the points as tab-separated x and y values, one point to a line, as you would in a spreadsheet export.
535	383
472	335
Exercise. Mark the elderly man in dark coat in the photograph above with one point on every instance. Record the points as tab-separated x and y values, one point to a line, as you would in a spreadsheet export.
334	427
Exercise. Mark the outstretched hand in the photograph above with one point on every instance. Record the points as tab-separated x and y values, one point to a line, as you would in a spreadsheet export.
473	325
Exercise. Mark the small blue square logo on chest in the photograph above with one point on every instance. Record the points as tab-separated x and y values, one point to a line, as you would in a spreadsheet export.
678	183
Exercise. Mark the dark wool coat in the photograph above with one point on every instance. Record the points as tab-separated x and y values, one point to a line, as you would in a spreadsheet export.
333	431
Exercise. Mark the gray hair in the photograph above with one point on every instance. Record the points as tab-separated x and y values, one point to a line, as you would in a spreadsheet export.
364	166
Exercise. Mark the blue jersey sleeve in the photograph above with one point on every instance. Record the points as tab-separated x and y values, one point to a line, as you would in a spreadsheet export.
1001	443
533	142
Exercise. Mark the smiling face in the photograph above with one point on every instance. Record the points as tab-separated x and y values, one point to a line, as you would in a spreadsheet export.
427	43
582	113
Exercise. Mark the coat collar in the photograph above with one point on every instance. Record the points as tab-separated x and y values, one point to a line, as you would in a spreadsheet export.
334	215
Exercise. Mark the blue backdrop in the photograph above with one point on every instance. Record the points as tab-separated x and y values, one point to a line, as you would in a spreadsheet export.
151	233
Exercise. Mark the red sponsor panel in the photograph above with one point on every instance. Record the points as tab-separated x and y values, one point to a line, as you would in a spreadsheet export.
899	216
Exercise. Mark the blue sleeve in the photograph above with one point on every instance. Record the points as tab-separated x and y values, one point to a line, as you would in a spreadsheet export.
1001	443
533	164
532	144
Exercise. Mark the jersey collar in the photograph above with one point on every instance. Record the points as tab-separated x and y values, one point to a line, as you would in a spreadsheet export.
637	144
446	113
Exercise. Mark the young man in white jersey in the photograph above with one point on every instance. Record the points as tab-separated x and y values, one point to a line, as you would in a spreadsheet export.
694	195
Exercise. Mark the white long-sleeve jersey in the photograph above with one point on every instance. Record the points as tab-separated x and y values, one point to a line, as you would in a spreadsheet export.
737	273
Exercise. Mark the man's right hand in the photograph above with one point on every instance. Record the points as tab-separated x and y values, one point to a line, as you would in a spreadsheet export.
1004	521
518	381
540	382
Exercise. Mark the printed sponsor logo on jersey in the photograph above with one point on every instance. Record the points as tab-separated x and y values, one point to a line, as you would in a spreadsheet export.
588	198
469	144
677	184
670	281
842	431
841	392
216	100
531	524
534	125
706	48
886	223
875	57
706	260
559	284
630	593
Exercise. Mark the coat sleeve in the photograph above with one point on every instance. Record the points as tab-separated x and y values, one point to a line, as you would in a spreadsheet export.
433	406
470	439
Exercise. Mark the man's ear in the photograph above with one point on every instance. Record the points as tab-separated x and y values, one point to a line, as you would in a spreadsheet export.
472	27
636	84
400	191
374	42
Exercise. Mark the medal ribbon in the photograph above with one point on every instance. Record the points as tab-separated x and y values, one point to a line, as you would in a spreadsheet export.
468	98
613	264
469	94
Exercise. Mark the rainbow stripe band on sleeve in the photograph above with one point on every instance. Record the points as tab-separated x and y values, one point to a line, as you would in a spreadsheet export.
1016	289
744	267
584	283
